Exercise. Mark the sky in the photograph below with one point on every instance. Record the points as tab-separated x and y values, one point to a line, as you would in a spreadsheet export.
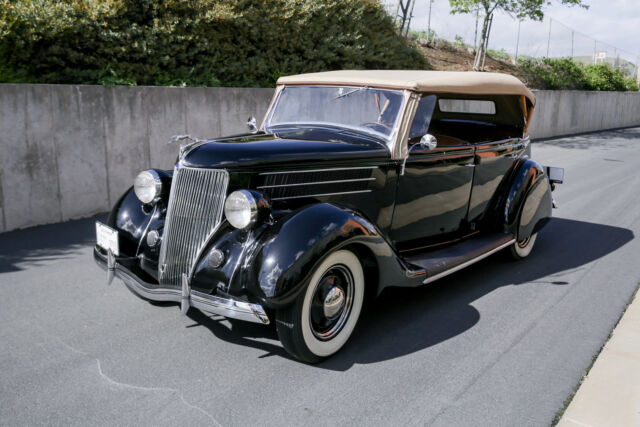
615	24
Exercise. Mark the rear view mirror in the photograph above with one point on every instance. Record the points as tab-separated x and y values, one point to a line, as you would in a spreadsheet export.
428	142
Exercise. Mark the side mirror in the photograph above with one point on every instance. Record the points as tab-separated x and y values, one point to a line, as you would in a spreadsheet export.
428	142
252	125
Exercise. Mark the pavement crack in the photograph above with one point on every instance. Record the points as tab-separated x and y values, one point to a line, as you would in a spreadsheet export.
118	384
154	389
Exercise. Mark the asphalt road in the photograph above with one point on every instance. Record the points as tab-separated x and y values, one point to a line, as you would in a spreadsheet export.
499	344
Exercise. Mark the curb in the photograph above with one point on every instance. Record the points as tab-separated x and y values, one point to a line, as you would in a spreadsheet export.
609	395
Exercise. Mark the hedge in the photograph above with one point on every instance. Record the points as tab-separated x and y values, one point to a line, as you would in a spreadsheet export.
563	73
194	42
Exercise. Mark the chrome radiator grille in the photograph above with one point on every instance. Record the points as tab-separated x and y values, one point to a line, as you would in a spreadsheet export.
196	204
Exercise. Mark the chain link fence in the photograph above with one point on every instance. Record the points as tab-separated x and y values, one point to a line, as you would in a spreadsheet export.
511	38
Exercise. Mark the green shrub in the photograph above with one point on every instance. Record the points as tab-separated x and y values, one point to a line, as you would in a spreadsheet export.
632	84
549	73
603	77
563	73
196	42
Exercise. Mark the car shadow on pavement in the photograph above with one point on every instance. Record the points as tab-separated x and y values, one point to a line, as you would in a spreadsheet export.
33	246
406	320
241	333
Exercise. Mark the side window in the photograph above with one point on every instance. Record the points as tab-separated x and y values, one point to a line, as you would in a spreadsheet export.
468	106
462	121
422	119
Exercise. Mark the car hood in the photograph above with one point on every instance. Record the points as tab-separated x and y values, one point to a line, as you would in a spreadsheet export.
270	150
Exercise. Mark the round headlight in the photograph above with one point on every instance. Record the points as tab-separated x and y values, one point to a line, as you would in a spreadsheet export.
244	208
148	186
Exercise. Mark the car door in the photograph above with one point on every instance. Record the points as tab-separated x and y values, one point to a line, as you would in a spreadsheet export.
493	162
433	193
499	144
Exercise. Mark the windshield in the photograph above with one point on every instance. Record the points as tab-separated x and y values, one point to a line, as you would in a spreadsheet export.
363	109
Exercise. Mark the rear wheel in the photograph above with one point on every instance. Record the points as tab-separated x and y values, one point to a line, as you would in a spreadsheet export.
322	318
522	249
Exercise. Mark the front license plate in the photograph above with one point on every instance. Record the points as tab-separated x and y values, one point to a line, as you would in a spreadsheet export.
107	238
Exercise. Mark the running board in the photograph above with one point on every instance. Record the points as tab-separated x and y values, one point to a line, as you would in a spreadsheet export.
436	264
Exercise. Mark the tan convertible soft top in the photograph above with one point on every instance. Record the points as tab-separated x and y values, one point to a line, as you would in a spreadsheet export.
462	82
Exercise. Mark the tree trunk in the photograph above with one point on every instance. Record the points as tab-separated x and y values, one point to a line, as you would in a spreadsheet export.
480	52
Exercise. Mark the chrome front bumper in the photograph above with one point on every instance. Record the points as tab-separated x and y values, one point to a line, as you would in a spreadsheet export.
226	307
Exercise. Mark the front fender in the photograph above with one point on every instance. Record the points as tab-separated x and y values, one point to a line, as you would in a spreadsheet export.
528	205
133	219
130	218
288	251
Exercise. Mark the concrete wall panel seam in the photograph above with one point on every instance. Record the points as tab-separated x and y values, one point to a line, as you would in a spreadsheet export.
55	147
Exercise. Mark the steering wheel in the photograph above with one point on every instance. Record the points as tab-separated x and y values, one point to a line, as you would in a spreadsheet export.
380	127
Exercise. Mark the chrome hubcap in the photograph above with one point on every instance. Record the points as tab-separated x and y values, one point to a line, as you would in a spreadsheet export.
524	243
331	302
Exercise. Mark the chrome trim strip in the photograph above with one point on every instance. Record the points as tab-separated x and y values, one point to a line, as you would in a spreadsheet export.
146	229
414	273
400	143
272	104
339	181
200	251
322	195
185	151
167	223
502	144
318	170
468	263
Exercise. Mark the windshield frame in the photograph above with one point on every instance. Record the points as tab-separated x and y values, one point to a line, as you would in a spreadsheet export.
388	140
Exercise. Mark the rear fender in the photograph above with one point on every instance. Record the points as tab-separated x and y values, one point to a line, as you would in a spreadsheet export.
529	203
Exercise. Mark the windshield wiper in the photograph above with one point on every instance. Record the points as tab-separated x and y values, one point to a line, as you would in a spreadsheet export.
351	91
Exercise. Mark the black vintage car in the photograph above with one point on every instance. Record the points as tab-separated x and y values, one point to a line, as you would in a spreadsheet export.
356	180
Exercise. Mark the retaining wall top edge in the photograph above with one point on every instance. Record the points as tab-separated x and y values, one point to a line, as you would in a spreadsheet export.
266	88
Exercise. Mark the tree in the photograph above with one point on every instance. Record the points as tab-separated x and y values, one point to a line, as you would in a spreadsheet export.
404	14
520	9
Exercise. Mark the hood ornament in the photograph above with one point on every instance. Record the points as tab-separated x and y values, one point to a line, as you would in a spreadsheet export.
186	142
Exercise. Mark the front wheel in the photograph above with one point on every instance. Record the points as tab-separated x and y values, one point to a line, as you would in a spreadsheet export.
522	249
322	318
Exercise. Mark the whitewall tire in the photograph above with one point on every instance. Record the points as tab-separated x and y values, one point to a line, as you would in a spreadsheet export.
520	250
325	314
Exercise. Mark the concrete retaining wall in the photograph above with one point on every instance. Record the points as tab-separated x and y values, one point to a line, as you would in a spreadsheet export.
560	113
69	151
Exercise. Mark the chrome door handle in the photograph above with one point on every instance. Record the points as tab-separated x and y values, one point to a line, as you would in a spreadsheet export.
513	156
469	165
